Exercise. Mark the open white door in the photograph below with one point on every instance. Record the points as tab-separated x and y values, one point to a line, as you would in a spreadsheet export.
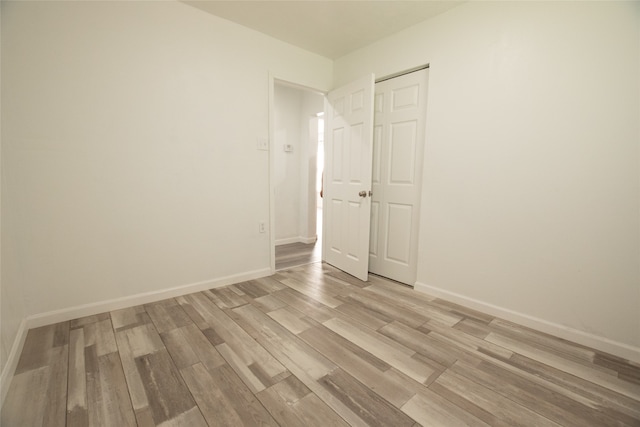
347	176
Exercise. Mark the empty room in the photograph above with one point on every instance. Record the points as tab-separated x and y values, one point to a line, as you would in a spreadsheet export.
473	259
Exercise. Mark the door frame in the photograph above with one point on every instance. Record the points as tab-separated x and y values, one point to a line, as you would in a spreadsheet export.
273	79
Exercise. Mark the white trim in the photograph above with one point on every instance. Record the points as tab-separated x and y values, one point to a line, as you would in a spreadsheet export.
272	186
12	360
287	241
308	240
299	239
590	340
71	313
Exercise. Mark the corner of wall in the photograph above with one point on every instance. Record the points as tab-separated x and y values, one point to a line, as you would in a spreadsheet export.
9	367
590	340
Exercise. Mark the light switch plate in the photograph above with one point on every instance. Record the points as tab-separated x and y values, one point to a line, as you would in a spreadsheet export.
263	143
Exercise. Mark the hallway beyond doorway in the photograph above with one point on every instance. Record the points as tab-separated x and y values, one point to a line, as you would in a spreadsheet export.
297	254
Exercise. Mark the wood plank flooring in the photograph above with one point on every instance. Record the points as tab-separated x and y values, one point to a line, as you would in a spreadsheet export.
312	346
296	254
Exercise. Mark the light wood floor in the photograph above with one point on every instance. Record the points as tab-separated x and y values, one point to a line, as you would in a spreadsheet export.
296	254
312	346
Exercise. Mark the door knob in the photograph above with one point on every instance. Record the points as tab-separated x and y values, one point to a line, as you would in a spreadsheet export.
362	193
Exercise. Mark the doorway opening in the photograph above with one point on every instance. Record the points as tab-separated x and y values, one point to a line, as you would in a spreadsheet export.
297	159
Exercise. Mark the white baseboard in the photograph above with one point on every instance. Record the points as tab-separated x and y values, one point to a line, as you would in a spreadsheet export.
298	239
71	313
308	240
590	340
12	361
144	298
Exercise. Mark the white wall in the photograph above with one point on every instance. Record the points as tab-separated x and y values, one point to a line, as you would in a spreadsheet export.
129	154
294	171
12	310
531	195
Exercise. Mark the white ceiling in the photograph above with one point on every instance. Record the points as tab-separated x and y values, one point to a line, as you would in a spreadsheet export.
330	28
